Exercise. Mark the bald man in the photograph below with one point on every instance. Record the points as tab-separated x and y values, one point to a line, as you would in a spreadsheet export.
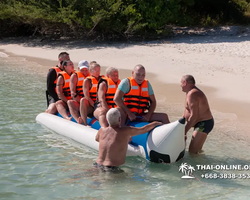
197	114
135	97
113	141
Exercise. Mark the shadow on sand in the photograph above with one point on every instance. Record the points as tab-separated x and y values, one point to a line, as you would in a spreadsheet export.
187	35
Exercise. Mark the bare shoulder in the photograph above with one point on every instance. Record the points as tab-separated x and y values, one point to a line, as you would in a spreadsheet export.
103	84
86	82
73	75
100	130
123	129
109	129
195	92
193	96
60	80
196	96
103	129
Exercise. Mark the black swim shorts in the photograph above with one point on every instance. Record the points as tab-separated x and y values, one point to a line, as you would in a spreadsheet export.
113	169
204	126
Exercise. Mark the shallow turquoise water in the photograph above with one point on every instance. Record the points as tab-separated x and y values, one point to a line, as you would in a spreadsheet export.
38	164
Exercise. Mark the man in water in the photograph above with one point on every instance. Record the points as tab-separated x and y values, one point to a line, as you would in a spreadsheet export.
113	140
135	97
197	114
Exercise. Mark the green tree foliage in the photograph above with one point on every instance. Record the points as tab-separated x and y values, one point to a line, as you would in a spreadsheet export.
214	12
114	18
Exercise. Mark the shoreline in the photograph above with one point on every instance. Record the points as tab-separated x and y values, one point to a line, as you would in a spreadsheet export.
177	96
226	86
209	59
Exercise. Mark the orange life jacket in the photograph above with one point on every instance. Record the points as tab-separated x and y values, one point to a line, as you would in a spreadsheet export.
137	99
58	70
110	92
80	79
66	83
93	88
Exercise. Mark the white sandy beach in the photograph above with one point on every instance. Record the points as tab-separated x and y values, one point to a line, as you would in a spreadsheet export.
220	65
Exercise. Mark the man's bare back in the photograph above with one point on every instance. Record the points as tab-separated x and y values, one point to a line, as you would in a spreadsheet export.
195	97
113	142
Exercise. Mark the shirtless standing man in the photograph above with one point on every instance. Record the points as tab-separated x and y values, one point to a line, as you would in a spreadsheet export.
113	140
197	114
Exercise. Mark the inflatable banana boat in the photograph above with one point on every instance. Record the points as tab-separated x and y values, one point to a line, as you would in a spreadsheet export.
163	144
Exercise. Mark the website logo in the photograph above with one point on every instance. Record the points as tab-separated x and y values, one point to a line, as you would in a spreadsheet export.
187	170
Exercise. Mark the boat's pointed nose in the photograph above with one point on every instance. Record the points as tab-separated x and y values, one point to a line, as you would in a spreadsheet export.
166	143
182	120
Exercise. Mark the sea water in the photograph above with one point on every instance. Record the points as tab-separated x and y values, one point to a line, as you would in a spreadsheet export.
39	164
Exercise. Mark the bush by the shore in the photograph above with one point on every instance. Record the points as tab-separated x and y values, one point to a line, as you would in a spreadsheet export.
115	19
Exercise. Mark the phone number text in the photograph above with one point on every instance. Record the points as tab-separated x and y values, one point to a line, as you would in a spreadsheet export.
225	176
